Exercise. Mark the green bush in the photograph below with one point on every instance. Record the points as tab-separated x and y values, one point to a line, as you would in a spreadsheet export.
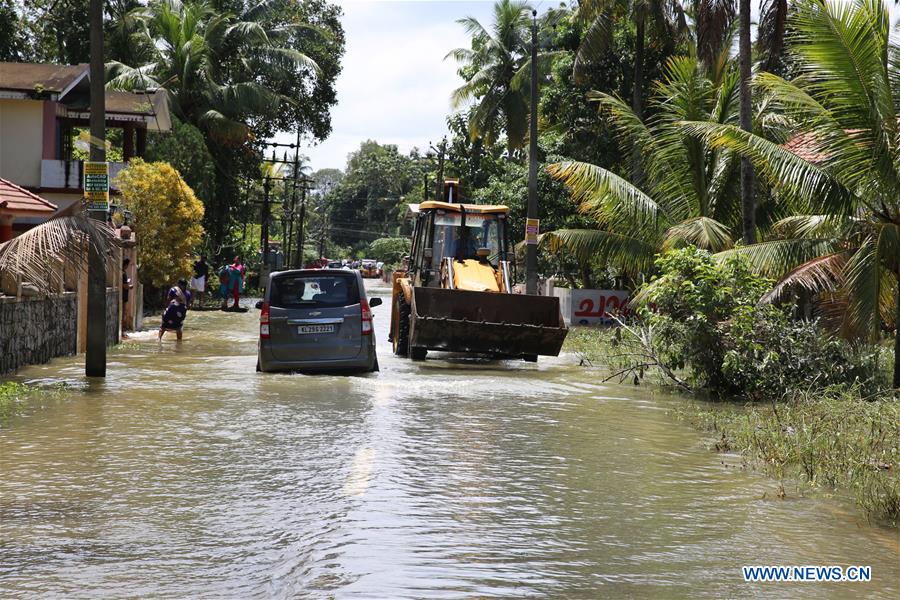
389	250
703	315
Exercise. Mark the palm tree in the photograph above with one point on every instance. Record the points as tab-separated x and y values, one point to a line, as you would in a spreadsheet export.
499	62
209	63
686	196
667	17
843	176
40	255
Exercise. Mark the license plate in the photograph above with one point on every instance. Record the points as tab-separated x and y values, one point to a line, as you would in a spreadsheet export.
305	329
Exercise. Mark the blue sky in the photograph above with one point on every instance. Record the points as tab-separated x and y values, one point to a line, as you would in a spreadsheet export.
395	85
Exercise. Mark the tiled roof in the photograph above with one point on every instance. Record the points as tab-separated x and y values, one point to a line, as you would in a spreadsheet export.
26	76
15	199
119	101
806	146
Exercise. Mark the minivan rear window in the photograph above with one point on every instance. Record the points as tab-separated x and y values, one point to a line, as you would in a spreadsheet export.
305	291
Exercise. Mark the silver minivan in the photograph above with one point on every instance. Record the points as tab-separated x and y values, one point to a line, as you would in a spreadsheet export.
316	320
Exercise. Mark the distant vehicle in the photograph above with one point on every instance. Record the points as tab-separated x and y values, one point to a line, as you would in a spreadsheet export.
369	268
334	264
319	263
316	320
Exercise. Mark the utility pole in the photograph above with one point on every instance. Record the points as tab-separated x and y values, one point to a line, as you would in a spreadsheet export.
439	188
289	207
95	351
264	226
302	225
298	260
532	224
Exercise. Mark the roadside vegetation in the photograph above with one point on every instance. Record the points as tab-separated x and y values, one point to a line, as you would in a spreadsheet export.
14	396
837	439
795	399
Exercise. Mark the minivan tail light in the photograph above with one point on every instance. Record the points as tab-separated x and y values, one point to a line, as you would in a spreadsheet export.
264	321
366	317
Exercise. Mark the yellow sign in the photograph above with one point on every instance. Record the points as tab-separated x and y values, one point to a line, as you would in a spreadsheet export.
532	229
96	185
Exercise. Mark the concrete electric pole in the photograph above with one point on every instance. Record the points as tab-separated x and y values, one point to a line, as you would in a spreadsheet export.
532	224
95	351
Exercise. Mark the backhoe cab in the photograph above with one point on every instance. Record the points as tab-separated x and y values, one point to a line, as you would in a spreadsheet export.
455	293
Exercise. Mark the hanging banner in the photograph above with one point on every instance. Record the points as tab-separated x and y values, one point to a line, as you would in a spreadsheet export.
532	229
96	185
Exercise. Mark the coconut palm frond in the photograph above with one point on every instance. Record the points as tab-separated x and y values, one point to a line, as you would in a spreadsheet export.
248	30
821	274
770	36
816	226
863	280
222	127
777	257
122	77
713	21
630	253
290	58
626	122
463	55
33	255
791	176
702	232
599	192
593	45
521	81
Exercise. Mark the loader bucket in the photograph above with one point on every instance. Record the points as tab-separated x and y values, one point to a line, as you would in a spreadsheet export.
486	323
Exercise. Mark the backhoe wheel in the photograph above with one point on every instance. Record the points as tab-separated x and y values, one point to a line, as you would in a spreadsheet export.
401	336
416	353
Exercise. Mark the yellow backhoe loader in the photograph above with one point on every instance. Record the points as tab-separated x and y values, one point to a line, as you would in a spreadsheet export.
455	293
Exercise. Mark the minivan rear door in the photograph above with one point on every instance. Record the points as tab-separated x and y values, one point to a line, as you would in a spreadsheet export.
315	317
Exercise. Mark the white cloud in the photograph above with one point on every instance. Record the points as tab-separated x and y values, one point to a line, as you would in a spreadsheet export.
395	85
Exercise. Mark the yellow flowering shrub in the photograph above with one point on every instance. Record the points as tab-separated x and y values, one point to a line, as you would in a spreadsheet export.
167	217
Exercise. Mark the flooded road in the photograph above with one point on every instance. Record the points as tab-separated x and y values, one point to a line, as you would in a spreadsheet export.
187	474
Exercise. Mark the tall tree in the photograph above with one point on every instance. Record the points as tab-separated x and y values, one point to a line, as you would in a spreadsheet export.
236	76
686	196
11	42
57	31
370	200
748	200
666	17
494	70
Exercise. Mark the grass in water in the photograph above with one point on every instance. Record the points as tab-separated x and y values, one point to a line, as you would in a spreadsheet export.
832	439
590	344
14	395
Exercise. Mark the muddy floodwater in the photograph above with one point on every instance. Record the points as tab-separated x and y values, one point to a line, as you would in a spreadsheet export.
186	474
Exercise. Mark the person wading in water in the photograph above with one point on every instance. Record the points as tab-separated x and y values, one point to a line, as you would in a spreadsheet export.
178	298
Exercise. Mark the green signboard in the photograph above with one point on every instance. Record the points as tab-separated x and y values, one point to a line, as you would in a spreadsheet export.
96	185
